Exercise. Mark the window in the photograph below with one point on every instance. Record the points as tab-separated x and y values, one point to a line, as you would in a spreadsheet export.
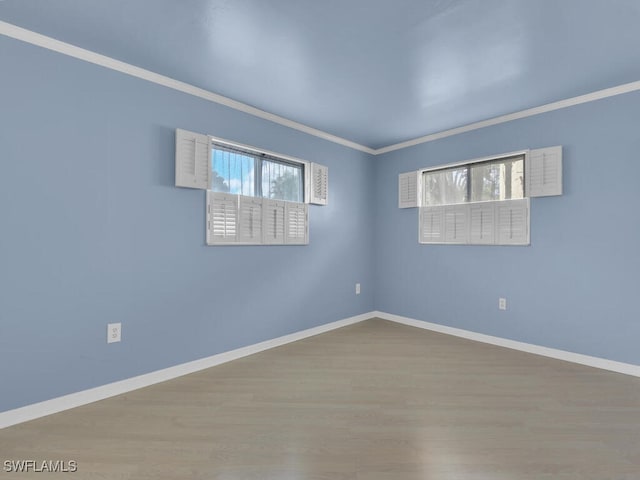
445	187
232	172
238	172
481	202
497	180
501	179
253	197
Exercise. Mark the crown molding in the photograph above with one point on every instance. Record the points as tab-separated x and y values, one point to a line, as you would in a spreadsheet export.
549	107
37	39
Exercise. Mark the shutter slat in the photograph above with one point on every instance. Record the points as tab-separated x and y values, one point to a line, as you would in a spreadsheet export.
296	224
193	160
512	219
544	172
319	184
481	224
431	225
408	190
273	221
222	218
456	223
250	231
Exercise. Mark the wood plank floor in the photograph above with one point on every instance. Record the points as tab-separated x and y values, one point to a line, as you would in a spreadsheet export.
372	401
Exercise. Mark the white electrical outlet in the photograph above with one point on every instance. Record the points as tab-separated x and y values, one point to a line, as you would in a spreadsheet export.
114	332
357	289
502	303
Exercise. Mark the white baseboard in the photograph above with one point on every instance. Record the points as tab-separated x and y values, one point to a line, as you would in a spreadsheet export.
604	364
66	402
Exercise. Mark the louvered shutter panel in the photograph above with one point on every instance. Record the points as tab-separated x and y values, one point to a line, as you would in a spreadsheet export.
193	160
456	224
250	221
544	172
408	190
319	184
431	224
296	224
512	218
273	215
481	223
222	218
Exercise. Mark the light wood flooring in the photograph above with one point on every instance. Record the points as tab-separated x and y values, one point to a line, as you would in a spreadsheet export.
372	401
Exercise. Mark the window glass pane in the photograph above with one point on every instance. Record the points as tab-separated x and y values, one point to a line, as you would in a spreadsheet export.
233	172
282	181
498	180
443	187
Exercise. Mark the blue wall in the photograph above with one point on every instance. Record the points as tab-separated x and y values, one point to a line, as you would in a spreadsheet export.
576	286
93	231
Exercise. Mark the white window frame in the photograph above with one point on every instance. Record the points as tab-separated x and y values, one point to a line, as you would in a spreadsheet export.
269	156
468	163
502	222
233	219
196	172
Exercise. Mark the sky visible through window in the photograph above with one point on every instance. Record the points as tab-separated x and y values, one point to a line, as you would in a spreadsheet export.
235	172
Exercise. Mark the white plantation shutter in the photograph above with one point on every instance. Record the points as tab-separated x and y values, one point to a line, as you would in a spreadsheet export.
222	218
544	172
487	222
512	222
241	220
193	160
481	223
456	223
233	219
250	220
296	225
431	225
273	215
408	190
319	184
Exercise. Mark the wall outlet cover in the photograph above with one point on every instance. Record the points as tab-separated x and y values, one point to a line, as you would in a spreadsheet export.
502	303
114	332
